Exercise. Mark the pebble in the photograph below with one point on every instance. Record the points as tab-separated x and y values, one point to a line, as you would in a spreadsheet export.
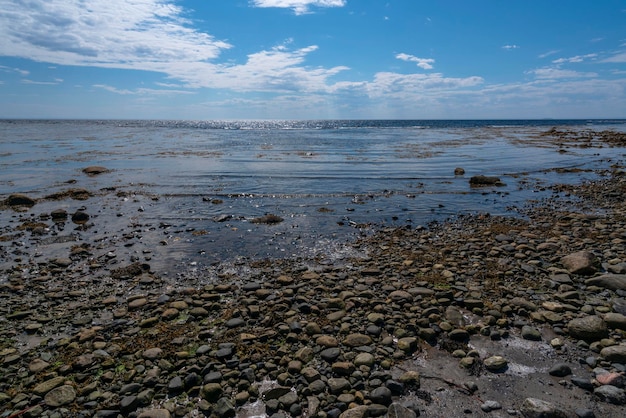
110	338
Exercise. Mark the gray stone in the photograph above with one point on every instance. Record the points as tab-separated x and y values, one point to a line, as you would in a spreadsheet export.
234	323
589	328
614	353
381	395
48	385
489	406
611	394
608	281
537	408
560	370
338	385
531	333
398	411
288	399
495	363
581	262
360	411
129	403
63	395
356	340
276	392
152	353
224	408
175	385
212	391
615	320
155	413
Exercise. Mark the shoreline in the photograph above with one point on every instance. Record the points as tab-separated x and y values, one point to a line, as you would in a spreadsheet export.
481	316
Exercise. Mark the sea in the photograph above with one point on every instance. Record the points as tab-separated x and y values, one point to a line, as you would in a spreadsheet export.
194	189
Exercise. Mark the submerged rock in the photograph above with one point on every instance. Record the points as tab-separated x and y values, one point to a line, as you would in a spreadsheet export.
478	181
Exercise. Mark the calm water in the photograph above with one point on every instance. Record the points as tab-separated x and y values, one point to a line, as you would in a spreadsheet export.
323	177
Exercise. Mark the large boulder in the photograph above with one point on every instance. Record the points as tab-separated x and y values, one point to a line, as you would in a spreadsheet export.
581	262
589	328
608	281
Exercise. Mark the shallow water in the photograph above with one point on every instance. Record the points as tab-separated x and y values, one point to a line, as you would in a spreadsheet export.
325	178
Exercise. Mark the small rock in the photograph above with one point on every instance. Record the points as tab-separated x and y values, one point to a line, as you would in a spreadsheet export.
611	394
495	363
478	181
94	170
560	370
489	406
531	333
537	408
19	200
381	395
614	353
63	395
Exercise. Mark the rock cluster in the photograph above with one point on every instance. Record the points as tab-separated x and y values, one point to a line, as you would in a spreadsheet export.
299	337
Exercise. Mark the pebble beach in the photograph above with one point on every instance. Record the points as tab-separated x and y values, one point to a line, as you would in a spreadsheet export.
478	316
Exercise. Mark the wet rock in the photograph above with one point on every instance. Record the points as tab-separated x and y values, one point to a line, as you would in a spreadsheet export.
94	170
224	408
80	218
15	200
212	392
478	181
459	171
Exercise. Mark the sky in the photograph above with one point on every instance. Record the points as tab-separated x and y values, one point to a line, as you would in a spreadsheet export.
312	59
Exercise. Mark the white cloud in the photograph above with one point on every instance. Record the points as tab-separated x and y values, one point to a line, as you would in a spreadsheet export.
425	63
556	73
575	59
42	83
299	6
114	33
151	35
141	91
619	57
509	47
547	54
6	69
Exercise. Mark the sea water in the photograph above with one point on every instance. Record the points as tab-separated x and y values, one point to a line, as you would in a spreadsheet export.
326	179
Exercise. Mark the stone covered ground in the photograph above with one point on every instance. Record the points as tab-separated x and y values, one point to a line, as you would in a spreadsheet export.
482	316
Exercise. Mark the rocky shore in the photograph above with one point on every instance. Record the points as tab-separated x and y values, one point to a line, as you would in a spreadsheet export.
481	316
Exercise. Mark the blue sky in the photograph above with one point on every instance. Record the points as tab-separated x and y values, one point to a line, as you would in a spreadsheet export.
312	59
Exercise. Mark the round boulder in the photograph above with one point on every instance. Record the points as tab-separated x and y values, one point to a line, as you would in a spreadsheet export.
589	328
